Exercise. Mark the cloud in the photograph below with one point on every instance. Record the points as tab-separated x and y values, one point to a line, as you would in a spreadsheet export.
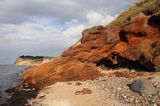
26	34
48	27
95	18
18	11
2	57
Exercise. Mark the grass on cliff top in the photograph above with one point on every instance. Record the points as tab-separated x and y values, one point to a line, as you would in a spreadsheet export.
151	5
36	58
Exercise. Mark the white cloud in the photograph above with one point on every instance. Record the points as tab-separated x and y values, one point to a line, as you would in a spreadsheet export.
95	18
74	32
26	34
29	38
18	11
47	27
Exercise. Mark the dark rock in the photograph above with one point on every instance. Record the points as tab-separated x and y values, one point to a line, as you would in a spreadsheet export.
19	96
69	83
154	21
84	91
143	86
78	83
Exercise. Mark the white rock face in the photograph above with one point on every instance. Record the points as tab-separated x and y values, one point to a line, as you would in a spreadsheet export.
32	61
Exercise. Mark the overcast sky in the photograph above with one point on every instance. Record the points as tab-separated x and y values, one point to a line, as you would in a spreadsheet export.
47	27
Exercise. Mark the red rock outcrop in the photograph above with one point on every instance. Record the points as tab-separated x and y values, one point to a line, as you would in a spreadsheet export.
134	42
61	69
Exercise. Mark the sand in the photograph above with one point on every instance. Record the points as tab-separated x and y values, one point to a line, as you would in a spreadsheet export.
63	94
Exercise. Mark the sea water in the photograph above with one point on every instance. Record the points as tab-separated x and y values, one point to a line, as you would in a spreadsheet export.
9	78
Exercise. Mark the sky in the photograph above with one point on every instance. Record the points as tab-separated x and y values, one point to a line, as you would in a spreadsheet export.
48	27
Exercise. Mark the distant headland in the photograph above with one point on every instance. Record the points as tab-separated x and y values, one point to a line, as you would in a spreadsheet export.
32	60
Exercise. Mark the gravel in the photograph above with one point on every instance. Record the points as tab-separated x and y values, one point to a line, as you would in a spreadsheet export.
118	88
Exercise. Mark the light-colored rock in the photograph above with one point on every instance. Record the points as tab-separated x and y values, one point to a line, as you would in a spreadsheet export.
33	60
143	86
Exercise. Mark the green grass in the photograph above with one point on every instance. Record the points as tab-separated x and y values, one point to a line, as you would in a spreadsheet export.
36	58
153	5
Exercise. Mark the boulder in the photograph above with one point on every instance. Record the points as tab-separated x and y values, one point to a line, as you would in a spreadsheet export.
143	86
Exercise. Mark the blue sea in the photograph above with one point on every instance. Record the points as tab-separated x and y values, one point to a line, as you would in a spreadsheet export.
9	78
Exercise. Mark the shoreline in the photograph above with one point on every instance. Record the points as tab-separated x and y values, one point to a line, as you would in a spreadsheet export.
112	91
20	96
9	80
104	91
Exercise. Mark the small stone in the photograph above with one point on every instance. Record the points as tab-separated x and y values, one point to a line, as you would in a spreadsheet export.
124	96
78	83
41	95
83	91
69	83
33	89
136	101
119	89
132	70
77	92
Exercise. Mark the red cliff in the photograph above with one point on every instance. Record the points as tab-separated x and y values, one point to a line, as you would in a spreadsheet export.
132	40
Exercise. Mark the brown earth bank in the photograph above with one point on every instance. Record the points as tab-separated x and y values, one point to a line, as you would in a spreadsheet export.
131	41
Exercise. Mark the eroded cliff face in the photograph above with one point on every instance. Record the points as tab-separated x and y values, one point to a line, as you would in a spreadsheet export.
32	60
60	69
131	41
136	41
